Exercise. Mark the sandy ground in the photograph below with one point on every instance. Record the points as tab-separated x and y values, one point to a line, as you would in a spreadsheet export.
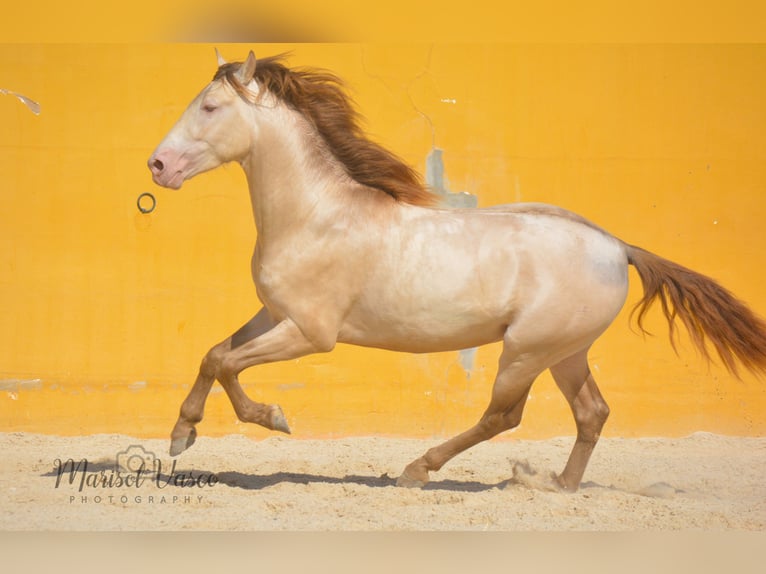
701	482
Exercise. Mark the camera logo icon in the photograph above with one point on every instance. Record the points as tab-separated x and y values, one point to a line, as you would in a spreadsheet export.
136	458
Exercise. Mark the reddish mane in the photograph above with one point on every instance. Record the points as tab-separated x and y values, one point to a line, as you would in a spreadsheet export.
319	97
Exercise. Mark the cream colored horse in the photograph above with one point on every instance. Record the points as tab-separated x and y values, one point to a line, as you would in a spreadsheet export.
349	250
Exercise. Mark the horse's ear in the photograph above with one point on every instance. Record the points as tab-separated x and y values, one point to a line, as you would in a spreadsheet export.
220	58
247	69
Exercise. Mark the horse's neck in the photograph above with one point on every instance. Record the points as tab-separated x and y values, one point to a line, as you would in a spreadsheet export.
291	181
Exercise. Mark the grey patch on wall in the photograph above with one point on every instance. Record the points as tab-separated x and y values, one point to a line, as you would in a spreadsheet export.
467	357
436	181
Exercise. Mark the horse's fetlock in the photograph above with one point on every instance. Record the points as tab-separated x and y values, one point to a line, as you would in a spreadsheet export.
430	462
245	413
190	415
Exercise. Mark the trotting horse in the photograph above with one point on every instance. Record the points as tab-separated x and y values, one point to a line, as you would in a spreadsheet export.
351	248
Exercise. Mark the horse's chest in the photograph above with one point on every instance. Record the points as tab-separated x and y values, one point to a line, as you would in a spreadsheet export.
293	287
271	285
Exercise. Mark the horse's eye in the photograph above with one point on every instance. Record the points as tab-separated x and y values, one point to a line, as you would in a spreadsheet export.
209	108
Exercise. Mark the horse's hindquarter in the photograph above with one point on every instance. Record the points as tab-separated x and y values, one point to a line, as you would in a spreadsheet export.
451	279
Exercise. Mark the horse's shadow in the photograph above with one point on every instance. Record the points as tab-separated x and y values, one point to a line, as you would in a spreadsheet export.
235	479
255	482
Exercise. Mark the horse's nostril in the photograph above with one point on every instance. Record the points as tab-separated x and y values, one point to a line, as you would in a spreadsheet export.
158	165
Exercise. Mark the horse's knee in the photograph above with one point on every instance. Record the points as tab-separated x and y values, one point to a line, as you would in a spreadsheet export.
211	362
245	412
227	368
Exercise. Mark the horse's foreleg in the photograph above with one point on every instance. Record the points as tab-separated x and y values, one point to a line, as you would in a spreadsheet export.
284	341
509	395
590	411
192	409
184	432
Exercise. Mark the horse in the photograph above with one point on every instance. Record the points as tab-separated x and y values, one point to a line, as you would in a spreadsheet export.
352	247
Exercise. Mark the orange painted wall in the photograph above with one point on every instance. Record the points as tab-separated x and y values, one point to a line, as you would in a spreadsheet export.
106	312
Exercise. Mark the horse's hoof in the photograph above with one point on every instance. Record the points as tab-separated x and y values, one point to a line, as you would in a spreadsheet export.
278	420
558	484
180	444
525	475
405	481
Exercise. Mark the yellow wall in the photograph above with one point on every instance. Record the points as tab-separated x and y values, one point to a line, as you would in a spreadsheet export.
106	313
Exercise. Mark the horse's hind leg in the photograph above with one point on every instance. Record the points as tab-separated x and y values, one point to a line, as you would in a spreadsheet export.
509	395
590	411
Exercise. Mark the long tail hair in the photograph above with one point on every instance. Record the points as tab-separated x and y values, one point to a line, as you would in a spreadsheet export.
710	313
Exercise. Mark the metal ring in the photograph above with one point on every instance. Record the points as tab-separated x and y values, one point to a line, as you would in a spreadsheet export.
143	209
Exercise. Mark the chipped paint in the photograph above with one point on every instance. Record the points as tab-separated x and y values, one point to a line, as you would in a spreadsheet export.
467	358
436	180
15	385
33	106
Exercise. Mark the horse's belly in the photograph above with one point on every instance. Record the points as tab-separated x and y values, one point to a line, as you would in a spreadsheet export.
437	295
438	326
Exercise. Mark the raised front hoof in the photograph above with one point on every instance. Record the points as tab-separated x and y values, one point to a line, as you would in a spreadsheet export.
407	481
181	443
278	420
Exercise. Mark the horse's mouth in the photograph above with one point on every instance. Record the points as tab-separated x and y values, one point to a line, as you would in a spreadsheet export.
175	181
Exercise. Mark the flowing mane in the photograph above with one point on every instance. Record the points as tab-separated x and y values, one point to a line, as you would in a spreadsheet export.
320	98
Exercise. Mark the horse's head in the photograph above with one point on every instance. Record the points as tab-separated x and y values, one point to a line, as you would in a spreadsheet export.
210	132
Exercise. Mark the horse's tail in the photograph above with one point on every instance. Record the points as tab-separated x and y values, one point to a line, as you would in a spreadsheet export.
708	311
